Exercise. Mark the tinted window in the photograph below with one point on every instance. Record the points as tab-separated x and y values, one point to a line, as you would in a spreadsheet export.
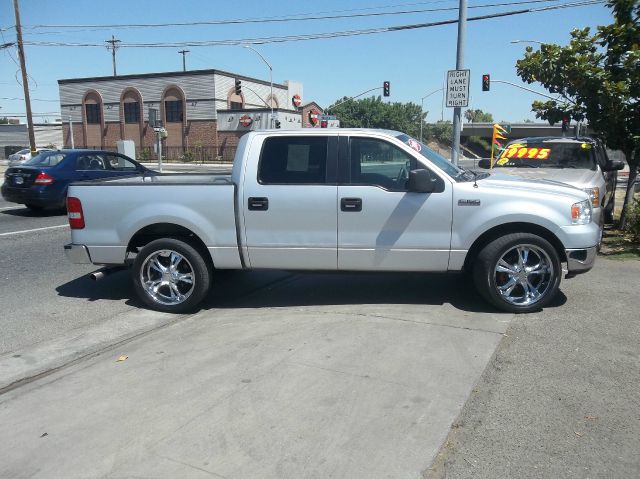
293	160
46	159
173	111
92	111
379	163
90	162
132	112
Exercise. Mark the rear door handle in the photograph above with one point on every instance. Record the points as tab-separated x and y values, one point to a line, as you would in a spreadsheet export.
258	204
351	204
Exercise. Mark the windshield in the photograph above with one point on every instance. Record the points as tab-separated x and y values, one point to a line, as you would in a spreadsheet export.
438	160
46	159
547	154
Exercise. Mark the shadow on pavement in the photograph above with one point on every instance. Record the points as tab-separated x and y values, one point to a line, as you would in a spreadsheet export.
268	289
27	213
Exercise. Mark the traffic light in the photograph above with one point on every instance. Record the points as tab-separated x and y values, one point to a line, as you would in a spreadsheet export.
238	87
386	88
565	124
486	82
277	123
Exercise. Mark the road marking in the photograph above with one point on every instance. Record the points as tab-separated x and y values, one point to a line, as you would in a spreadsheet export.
31	231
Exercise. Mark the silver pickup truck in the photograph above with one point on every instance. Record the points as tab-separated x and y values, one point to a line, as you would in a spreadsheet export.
334	200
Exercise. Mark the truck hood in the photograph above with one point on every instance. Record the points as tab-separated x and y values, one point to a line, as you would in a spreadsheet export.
545	186
578	177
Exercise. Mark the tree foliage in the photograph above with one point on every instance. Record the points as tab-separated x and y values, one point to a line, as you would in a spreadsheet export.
597	78
4	121
478	116
374	113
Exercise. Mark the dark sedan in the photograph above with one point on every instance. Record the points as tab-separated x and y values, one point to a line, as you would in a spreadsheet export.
42	181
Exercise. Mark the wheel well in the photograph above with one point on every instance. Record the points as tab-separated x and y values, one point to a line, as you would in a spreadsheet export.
166	230
509	228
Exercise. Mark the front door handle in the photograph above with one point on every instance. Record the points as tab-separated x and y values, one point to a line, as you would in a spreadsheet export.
258	204
351	204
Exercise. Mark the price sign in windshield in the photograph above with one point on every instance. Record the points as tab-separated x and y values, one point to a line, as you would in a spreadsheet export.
520	151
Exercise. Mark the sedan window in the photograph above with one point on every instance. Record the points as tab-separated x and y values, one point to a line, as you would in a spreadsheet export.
120	163
46	159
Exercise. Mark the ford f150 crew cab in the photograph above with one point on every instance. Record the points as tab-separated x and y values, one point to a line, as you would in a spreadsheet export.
334	200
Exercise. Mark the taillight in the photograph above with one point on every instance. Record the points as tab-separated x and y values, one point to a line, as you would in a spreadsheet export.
74	213
43	179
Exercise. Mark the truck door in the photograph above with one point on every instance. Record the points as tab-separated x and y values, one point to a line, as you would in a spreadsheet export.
289	203
381	226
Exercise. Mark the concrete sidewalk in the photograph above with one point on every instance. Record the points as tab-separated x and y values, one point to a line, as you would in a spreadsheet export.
313	389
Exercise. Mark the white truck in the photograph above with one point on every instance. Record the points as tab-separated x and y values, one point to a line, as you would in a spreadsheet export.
334	200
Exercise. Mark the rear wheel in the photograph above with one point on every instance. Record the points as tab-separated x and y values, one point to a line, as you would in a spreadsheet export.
171	275
518	273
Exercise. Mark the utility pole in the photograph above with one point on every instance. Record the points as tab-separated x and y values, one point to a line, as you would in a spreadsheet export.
184	63
25	84
457	111
114	46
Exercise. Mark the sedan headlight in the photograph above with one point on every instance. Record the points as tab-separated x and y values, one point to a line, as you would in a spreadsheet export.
594	196
581	213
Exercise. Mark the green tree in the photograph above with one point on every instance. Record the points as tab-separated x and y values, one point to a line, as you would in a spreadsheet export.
4	121
597	77
374	113
478	116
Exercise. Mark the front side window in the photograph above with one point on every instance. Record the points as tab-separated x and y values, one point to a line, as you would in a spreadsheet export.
293	160
379	163
173	111
132	112
92	113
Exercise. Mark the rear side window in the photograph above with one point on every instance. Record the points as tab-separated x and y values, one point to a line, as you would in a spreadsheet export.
293	160
46	159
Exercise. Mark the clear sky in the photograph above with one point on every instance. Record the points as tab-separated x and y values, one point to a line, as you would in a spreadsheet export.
414	61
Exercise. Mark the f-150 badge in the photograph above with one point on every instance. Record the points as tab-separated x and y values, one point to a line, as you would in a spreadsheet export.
468	202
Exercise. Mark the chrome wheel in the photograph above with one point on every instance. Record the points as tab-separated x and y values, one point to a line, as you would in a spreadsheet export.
167	277
523	274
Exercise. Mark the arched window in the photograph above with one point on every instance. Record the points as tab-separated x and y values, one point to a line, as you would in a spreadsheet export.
173	102
235	101
92	107
131	106
272	101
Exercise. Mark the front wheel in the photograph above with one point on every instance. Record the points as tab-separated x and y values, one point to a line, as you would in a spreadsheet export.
518	273
170	275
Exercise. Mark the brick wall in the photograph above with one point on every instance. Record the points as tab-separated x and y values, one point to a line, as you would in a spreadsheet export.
201	133
78	136
306	123
228	143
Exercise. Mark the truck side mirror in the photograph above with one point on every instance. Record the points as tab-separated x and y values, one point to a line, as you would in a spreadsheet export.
613	165
486	164
423	181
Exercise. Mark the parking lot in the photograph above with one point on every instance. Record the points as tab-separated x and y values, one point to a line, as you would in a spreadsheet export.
300	375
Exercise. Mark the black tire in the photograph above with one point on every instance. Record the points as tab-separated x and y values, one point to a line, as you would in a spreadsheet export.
488	280
608	211
145	274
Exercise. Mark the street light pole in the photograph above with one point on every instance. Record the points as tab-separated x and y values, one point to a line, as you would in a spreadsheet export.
270	80
457	111
422	107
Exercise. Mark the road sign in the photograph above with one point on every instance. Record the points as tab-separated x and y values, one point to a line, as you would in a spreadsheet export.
458	88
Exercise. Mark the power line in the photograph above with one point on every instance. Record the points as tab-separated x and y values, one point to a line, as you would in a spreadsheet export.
282	19
320	36
32	99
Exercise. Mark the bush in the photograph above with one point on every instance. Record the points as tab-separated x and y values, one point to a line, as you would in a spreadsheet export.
187	157
633	219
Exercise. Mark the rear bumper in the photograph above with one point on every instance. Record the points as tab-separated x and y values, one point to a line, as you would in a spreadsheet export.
580	260
31	195
77	253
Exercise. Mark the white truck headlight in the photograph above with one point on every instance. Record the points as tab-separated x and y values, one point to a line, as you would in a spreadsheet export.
594	196
581	213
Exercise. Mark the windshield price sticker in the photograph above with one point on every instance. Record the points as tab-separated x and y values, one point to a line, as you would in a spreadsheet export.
518	151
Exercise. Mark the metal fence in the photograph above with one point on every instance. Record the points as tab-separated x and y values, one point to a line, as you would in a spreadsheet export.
179	154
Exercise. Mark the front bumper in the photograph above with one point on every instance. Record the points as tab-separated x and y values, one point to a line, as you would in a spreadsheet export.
77	253
580	260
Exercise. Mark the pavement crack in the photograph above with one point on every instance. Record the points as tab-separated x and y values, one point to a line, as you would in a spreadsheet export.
211	473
